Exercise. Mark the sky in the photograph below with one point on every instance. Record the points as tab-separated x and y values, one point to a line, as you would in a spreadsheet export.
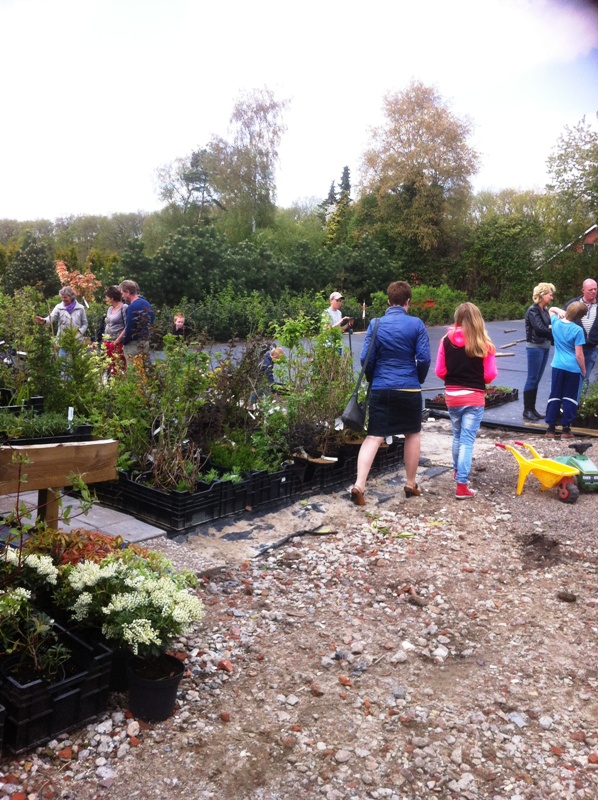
97	94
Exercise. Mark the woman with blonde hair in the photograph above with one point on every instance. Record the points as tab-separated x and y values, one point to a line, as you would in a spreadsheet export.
538	335
466	362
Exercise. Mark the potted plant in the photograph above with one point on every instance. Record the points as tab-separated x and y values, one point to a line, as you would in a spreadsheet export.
28	638
50	681
141	604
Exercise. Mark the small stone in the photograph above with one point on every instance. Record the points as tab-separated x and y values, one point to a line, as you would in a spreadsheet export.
105	727
545	722
518	719
465	780
399	658
578	736
567	597
342	756
316	690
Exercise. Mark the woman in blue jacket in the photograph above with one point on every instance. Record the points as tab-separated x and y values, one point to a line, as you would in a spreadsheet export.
398	365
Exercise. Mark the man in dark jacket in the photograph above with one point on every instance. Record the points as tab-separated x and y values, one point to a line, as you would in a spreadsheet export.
138	320
590	325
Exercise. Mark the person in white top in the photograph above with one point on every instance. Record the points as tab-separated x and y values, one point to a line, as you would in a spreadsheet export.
333	317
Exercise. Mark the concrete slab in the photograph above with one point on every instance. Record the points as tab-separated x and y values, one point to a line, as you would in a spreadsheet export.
99	518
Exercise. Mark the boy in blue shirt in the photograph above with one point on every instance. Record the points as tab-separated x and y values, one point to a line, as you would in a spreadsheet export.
568	368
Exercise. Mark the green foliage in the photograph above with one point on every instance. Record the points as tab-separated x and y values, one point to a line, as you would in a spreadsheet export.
573	167
318	379
568	271
419	164
43	370
28	633
30	425
3	262
588	407
81	373
500	260
31	265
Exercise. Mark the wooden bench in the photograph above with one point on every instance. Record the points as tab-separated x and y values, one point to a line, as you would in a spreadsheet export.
51	467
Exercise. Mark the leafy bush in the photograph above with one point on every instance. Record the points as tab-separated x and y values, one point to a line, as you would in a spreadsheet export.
588	407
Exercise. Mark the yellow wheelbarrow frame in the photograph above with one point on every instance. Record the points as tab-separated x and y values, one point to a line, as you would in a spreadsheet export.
550	473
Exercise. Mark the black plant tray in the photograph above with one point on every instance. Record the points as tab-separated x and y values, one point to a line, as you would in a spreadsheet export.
269	489
491	402
175	512
35	403
39	711
82	433
181	513
341	473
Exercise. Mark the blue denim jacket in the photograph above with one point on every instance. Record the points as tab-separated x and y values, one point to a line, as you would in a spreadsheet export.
400	357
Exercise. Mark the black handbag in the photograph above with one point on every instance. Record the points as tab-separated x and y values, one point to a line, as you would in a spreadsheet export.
353	417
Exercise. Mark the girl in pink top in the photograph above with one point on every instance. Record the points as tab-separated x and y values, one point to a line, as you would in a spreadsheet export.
466	362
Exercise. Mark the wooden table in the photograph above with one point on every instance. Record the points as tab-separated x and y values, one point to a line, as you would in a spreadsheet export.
49	467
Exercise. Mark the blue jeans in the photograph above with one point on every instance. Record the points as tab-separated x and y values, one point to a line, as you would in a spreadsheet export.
466	422
536	363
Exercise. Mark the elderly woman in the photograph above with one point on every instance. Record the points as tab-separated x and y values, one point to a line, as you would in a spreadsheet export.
397	367
538	335
66	314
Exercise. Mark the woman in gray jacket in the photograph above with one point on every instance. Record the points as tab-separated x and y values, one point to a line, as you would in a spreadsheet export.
66	314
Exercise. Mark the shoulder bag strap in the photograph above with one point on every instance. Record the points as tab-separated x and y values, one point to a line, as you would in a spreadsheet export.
367	358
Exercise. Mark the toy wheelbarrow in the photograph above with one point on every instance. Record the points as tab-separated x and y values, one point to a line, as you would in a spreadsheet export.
550	473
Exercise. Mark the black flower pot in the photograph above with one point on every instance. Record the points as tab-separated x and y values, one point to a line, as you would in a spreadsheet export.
153	686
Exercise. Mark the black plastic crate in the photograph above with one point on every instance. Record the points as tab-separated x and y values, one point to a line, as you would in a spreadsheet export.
390	457
234	497
39	711
269	488
173	511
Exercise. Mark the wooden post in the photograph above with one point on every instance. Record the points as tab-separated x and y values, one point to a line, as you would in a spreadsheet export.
48	506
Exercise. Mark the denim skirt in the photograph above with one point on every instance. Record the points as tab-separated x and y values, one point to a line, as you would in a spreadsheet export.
394	411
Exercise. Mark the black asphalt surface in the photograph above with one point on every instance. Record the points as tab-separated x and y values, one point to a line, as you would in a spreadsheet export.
511	362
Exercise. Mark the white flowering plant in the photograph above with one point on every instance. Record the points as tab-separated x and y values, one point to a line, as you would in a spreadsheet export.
31	571
140	605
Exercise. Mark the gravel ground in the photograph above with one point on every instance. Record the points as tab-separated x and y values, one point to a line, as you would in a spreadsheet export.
409	649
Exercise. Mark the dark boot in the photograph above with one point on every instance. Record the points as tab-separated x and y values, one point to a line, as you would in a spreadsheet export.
528	405
534	394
